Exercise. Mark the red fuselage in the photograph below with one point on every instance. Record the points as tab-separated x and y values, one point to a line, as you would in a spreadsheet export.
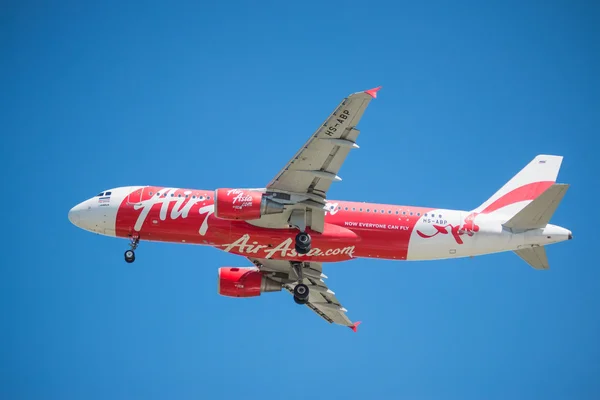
352	229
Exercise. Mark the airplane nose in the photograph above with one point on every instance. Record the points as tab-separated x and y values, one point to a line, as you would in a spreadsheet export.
74	215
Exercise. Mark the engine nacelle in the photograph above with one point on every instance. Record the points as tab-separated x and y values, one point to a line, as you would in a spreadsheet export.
244	204
244	282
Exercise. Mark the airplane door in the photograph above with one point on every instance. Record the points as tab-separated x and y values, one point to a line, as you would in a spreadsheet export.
136	195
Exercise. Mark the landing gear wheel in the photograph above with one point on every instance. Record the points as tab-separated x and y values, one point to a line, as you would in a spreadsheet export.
301	292
301	302
129	256
301	250
302	244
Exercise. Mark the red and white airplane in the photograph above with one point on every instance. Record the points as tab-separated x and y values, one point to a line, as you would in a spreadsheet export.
289	228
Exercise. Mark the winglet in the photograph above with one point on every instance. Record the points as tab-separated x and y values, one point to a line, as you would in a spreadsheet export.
355	325
373	92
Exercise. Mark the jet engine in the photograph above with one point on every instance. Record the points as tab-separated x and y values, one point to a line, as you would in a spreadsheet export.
244	204
244	282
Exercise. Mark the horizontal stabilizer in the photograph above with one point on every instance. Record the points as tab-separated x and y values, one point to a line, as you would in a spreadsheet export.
537	213
534	256
525	186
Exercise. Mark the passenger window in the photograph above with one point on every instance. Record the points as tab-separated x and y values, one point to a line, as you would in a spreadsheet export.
396	212
403	212
367	210
207	197
201	197
360	209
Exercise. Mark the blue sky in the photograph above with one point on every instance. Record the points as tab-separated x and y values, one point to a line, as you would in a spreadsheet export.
222	94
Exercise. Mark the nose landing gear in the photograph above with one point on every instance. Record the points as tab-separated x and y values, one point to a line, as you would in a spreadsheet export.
130	254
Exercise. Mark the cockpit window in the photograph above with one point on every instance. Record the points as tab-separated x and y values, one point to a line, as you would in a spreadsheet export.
107	193
101	194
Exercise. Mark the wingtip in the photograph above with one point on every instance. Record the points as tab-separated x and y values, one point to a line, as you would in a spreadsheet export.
373	92
355	325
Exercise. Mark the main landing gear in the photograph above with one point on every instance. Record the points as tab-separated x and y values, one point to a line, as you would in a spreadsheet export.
301	291
302	243
298	220
130	254
302	246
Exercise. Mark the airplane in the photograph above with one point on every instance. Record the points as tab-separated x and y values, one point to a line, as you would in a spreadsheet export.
289	229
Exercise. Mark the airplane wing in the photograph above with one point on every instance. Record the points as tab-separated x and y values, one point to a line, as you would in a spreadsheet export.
317	163
321	299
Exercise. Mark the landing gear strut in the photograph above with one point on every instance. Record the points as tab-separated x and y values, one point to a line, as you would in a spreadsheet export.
301	291
130	254
302	246
298	220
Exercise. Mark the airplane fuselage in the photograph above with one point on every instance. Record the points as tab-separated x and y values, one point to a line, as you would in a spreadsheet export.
351	230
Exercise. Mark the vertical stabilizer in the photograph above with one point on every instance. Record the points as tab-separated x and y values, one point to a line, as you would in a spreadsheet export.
533	180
